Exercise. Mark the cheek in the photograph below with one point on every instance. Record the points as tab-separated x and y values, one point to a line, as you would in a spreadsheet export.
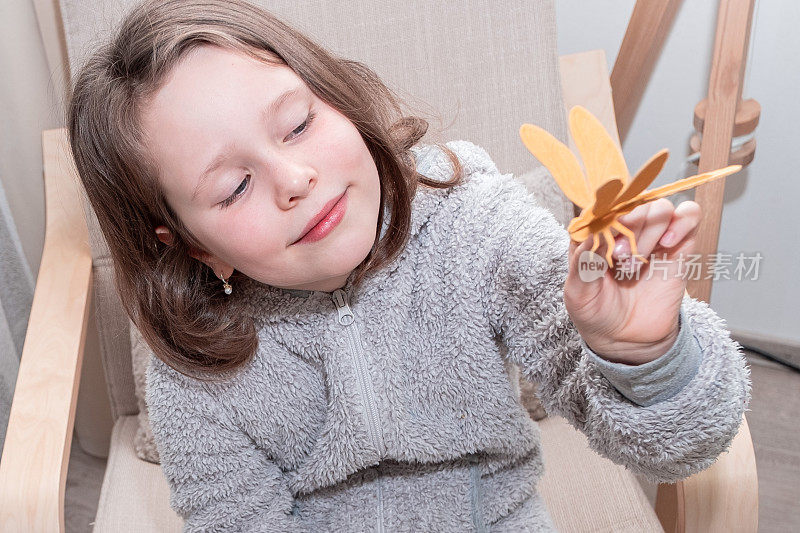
255	234
343	148
241	236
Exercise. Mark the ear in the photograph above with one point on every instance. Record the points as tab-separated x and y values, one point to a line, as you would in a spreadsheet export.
218	266
164	235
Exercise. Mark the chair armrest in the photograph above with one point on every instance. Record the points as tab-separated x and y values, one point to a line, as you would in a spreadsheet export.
33	469
724	497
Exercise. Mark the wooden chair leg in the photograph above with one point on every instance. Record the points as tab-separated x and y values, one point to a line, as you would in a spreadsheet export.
669	506
647	30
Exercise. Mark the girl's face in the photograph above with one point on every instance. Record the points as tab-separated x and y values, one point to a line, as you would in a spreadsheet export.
248	156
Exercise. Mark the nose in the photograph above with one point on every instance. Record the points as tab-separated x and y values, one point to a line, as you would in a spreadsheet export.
294	180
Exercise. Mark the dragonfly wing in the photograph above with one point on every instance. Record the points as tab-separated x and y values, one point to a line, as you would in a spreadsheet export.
644	176
686	183
606	203
660	192
602	159
606	196
560	161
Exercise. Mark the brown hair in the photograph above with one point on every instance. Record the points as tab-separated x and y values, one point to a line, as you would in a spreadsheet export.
175	300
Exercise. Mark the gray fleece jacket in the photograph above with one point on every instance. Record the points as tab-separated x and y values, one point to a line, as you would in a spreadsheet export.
391	408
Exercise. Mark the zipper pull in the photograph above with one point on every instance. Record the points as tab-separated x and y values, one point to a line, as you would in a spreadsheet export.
346	316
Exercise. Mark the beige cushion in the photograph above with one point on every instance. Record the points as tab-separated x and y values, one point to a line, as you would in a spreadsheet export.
583	491
144	442
135	493
587	492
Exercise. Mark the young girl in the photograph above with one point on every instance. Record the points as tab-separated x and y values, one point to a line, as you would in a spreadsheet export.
335	307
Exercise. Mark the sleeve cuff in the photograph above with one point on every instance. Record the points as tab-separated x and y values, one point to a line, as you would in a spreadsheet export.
659	379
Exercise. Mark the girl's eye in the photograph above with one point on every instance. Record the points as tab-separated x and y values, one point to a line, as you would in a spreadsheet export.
237	193
302	127
246	181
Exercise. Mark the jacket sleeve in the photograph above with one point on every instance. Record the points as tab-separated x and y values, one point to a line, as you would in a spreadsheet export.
666	419
219	480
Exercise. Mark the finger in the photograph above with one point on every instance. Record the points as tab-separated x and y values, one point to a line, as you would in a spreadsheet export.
575	250
658	219
572	245
580	289
685	222
634	221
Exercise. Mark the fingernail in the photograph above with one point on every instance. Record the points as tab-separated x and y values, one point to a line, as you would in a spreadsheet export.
621	248
668	238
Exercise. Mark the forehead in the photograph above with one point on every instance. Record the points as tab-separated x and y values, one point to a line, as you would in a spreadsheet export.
208	100
209	81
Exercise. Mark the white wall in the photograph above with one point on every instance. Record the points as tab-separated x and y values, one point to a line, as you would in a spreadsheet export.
28	105
761	202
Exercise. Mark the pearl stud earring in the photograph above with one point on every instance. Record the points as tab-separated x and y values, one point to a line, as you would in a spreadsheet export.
226	286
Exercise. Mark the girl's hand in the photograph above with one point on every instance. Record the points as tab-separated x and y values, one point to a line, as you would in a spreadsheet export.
634	319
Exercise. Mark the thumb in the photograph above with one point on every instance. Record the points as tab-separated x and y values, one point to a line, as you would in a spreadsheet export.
572	256
583	286
575	251
572	246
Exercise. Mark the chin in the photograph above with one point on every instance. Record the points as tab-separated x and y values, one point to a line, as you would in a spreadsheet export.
354	250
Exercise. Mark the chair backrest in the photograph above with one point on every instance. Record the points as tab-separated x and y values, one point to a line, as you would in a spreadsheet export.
484	67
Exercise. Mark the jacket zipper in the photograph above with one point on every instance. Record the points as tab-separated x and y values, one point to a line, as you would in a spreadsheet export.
379	481
347	318
476	498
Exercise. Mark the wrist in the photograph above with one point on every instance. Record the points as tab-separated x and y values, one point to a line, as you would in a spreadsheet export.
634	353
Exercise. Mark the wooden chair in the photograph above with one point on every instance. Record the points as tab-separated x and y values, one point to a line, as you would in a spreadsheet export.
583	490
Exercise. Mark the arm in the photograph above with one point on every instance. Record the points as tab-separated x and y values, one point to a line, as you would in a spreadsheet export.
677	413
656	380
219	480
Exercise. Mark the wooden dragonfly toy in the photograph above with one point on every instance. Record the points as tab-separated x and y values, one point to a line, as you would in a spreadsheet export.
606	191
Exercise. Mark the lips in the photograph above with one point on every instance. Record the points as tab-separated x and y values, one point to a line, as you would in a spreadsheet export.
319	216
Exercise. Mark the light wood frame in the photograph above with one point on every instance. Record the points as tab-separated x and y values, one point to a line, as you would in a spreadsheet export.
644	37
33	469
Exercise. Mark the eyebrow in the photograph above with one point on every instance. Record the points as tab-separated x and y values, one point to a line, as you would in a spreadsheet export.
225	153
